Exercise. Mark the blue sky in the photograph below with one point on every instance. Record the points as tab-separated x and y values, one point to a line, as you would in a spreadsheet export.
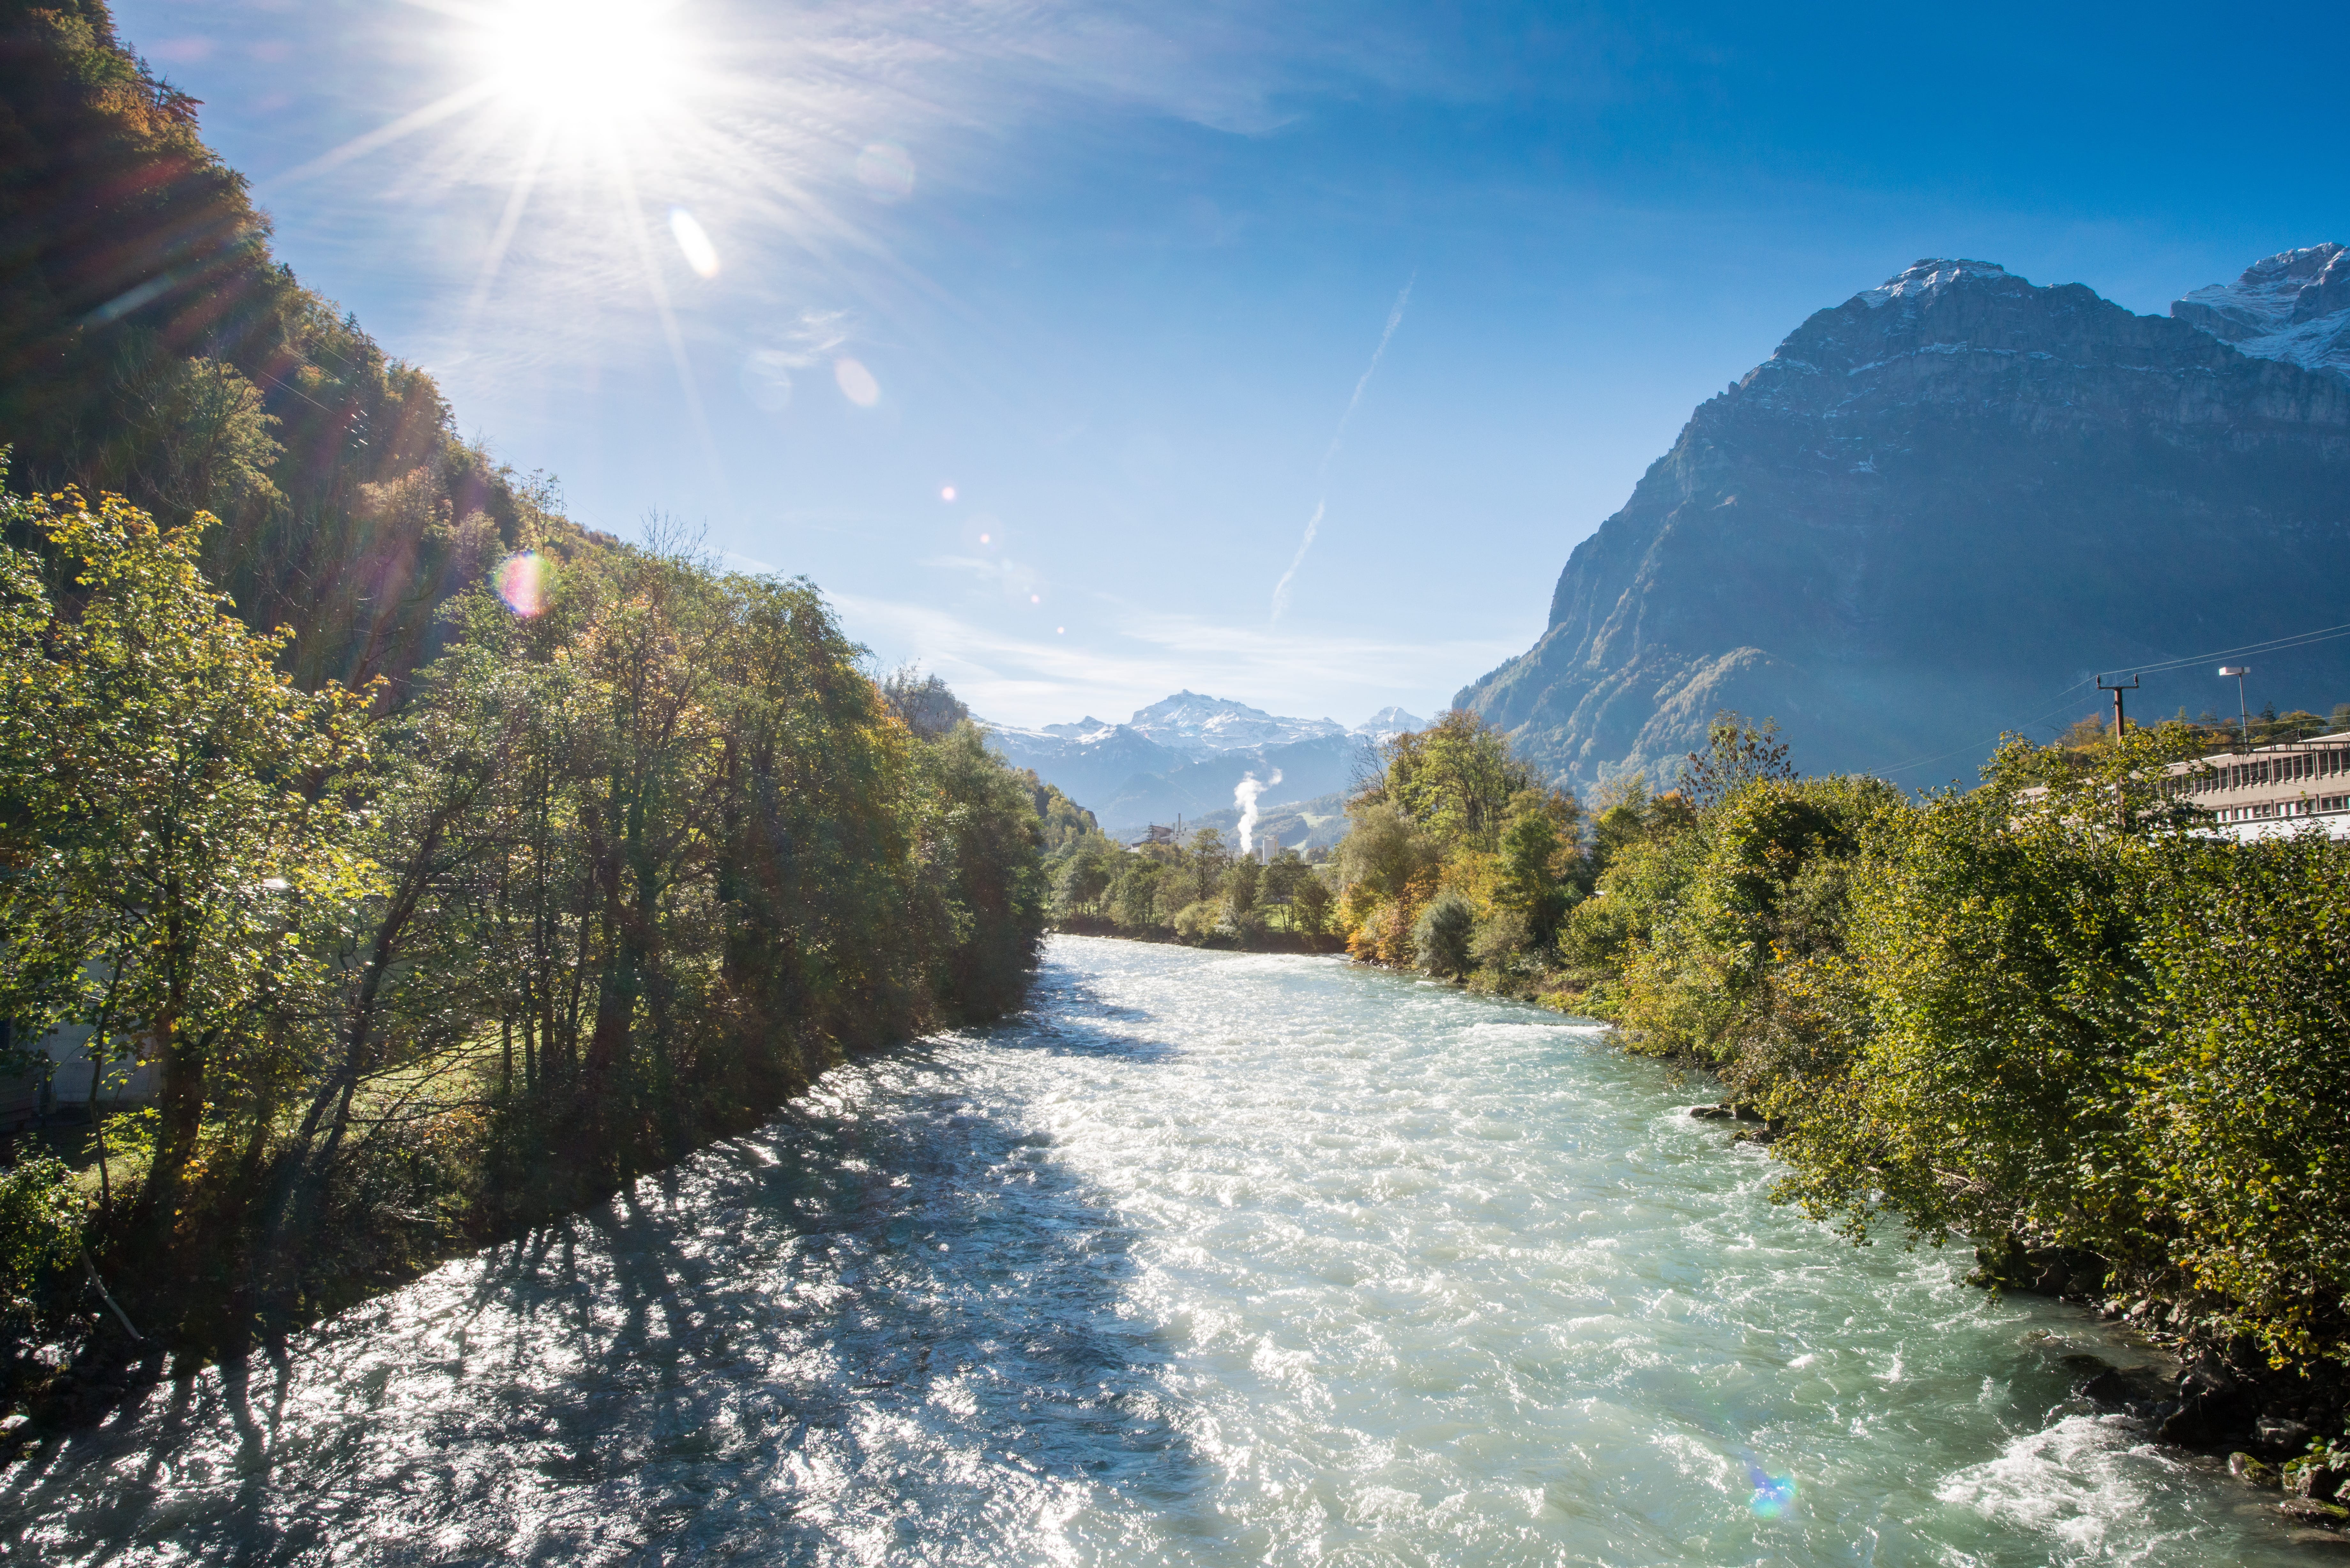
1116	275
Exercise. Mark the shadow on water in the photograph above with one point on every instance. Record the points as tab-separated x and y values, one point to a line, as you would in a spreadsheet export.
886	1326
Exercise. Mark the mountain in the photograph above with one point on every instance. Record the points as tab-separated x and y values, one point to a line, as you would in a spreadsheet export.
2294	306
1184	754
1388	723
1202	726
1088	762
1938	511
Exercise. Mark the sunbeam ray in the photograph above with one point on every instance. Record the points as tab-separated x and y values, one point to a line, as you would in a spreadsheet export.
519	197
383	136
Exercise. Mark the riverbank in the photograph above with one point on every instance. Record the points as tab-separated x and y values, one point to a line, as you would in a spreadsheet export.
1252	942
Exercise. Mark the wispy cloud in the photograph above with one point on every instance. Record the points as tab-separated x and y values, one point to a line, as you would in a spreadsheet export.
1013	578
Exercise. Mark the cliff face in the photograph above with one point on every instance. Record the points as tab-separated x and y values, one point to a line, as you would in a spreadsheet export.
1934	509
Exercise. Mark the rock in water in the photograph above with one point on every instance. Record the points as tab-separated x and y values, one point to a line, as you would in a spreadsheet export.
2252	1472
1933	512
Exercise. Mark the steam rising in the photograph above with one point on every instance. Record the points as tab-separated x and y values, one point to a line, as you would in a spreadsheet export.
1245	795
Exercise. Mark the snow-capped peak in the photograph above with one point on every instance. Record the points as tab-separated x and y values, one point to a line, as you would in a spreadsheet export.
1386	724
2293	306
1203	725
1929	277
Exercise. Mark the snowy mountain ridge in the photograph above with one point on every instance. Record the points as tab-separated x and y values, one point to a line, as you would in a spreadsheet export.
1184	754
2294	306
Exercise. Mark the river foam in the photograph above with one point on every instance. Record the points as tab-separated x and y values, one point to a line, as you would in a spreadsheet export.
1210	1259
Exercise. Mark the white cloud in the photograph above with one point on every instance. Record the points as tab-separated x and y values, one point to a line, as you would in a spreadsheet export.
1022	680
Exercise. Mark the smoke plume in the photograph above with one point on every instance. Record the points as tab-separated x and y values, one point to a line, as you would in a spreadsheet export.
1245	795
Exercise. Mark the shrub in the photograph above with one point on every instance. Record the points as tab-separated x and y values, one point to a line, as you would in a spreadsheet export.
1439	938
1196	922
40	1239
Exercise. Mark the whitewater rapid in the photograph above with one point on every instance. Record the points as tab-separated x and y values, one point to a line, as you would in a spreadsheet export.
1208	1259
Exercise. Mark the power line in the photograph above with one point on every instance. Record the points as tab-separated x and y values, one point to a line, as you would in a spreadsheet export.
2274	645
2065	698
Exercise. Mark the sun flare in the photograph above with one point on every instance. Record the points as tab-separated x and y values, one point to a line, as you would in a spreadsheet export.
582	60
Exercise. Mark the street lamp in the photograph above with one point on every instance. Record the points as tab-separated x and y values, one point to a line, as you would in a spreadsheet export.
2243	713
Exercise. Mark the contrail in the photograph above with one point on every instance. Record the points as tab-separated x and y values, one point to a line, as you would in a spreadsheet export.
1338	439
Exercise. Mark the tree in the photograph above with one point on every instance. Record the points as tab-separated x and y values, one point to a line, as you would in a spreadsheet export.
1241	884
1312	900
172	812
1736	753
1283	875
1138	895
2249	950
924	704
1456	779
1205	861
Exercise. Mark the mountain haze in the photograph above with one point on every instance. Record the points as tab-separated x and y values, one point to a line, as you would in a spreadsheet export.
1941	508
1184	754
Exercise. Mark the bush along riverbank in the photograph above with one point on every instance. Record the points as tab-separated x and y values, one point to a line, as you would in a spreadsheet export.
1203	892
2045	1017
640	854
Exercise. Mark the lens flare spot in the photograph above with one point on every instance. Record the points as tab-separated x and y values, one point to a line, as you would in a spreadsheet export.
522	582
694	241
947	493
887	170
857	383
1060	631
986	538
1036	598
1773	1495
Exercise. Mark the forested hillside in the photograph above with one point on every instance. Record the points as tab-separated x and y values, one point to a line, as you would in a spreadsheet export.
440	867
152	347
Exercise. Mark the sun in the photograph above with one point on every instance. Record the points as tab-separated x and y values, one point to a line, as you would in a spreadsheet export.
582	61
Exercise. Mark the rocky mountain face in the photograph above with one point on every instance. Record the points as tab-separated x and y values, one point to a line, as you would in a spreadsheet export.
1940	509
1185	754
2294	306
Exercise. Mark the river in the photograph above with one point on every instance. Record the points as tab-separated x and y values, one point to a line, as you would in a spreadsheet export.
1210	1259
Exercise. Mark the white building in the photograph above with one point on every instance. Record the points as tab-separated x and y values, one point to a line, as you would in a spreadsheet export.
2289	787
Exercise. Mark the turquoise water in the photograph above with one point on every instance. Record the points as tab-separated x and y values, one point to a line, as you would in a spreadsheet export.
1210	1259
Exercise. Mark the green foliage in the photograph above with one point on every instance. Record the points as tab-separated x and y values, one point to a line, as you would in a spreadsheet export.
167	828
1455	779
2240	1109
40	1243
1440	936
1311	903
924	703
1736	754
617	878
1196	922
1385	851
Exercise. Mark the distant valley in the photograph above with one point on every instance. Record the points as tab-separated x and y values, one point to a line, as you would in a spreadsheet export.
1186	754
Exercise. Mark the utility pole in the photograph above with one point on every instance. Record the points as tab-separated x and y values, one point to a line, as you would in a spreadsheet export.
2120	724
2244	714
